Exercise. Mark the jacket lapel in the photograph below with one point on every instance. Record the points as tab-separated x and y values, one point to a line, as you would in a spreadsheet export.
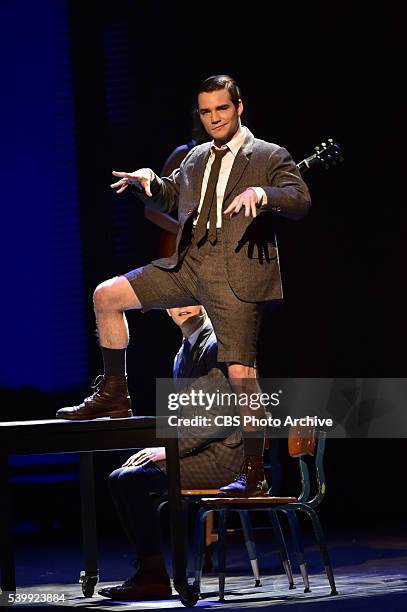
197	350
239	165
198	174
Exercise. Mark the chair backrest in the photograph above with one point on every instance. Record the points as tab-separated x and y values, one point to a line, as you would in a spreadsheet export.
308	446
301	441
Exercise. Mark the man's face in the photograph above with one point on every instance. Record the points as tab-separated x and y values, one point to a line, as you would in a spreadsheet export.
187	317
219	116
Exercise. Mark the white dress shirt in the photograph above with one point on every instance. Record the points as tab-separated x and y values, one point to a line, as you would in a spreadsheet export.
226	166
194	336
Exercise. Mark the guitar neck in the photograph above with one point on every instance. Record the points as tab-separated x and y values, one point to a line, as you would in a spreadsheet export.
307	163
327	155
303	166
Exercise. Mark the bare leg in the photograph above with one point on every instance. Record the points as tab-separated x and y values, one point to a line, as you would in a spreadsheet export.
244	382
251	481
111	298
111	396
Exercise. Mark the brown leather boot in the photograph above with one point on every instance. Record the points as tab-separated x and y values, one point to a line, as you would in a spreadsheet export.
110	399
250	482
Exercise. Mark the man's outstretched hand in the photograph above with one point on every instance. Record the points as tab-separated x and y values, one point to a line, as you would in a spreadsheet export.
142	177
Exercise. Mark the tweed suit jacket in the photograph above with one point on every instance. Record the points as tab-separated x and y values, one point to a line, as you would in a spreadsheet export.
249	244
203	371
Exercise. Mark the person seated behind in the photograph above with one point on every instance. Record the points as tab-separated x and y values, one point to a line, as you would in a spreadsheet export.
204	463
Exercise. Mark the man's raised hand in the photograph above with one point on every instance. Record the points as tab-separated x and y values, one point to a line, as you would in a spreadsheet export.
142	177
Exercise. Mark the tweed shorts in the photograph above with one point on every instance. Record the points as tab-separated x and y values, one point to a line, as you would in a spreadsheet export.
201	278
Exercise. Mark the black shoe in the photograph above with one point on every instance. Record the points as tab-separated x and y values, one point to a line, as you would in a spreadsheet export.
137	588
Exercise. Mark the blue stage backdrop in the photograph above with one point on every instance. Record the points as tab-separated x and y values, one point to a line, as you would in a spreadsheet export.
42	308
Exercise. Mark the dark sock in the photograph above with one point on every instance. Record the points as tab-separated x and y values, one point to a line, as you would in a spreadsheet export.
253	443
114	361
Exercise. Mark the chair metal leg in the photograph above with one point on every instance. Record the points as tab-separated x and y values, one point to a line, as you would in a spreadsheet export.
298	547
199	537
319	535
185	519
250	545
222	553
282	548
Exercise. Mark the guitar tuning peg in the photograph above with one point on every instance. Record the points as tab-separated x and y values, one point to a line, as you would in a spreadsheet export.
323	144
330	140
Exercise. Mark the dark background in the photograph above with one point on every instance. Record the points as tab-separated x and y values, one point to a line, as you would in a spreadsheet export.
129	71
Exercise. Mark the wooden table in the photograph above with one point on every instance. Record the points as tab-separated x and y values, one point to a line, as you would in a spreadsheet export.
86	437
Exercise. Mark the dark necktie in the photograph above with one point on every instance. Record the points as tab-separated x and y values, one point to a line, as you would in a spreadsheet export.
209	204
185	352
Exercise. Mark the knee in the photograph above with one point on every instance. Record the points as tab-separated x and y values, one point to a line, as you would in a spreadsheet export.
121	481
102	296
113	479
242	378
130	478
239	371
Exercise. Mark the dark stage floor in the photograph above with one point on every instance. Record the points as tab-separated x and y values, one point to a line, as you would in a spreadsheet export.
370	573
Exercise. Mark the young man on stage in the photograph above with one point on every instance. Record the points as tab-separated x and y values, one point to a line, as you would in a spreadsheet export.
227	193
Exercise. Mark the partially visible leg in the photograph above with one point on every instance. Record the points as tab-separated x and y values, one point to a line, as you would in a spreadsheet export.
131	490
111	396
251	482
244	382
111	299
148	288
236	324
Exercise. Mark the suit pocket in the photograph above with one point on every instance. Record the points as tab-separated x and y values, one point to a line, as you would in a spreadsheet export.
264	252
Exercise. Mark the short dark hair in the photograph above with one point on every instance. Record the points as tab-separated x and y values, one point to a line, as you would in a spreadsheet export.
221	81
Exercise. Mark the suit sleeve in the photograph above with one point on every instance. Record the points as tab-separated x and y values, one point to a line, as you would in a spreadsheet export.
287	194
164	190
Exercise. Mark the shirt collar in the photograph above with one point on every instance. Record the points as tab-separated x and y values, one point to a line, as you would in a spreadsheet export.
194	336
235	143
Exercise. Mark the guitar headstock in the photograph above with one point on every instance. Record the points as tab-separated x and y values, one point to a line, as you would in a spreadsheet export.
327	154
